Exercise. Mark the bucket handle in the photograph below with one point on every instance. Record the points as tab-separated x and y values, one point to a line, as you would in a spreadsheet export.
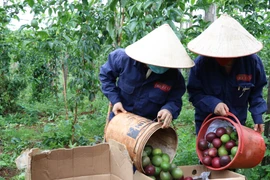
224	117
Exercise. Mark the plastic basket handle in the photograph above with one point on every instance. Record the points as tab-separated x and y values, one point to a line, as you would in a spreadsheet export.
234	117
240	127
228	113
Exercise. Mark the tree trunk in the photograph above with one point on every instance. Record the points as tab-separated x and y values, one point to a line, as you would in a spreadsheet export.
266	159
210	14
65	73
120	26
74	123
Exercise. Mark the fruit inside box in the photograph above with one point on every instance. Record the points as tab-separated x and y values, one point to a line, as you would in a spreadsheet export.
157	165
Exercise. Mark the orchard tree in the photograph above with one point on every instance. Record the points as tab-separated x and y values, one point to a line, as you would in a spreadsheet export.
10	83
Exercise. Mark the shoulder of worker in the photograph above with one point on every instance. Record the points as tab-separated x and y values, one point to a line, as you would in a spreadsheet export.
119	52
254	57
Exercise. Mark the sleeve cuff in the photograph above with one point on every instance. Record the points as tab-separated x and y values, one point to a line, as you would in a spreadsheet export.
257	119
213	105
114	100
174	114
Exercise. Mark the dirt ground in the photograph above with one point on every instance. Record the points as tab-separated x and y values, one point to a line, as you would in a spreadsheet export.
8	173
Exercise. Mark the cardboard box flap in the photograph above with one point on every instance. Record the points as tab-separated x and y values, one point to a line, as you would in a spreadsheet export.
95	177
196	170
120	162
226	175
140	176
107	161
66	163
193	170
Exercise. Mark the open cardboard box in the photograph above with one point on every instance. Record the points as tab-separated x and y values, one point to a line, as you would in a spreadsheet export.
106	161
196	171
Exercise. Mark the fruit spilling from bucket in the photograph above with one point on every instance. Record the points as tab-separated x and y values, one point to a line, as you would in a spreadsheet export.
157	165
218	148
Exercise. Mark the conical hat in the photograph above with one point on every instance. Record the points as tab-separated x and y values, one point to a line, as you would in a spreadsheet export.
161	47
225	38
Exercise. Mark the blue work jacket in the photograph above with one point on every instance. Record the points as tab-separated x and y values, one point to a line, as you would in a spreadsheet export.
124	80
240	90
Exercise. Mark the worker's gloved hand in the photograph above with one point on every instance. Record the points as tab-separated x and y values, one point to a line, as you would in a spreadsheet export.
221	109
118	108
259	128
164	116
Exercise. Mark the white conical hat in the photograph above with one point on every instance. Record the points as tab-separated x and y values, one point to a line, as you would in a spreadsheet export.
161	47
225	38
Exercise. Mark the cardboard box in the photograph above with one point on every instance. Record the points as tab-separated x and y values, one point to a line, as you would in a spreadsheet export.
107	161
196	171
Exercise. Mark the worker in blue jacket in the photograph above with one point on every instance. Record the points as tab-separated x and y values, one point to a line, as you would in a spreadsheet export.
144	78
228	75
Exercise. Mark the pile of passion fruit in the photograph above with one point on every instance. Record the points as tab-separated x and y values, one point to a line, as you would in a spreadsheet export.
219	148
157	165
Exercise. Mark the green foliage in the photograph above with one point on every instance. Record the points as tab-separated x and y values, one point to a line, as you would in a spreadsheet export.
9	92
11	82
186	153
57	135
185	128
136	19
15	138
49	87
258	172
44	127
